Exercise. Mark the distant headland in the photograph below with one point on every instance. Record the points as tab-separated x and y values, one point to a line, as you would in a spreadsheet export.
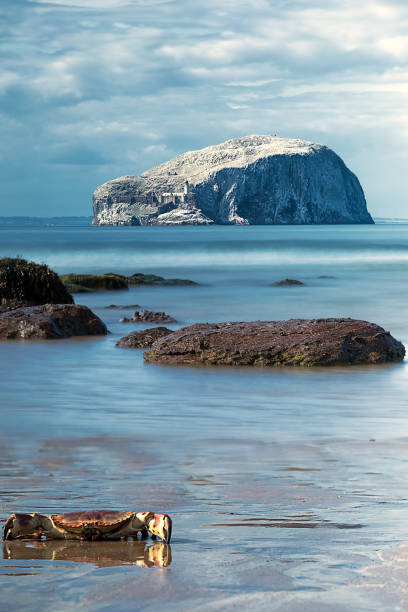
21	221
254	180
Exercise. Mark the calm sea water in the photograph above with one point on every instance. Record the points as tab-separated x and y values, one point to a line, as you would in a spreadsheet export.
288	488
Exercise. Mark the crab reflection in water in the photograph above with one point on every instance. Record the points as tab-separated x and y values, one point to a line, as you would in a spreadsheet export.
100	553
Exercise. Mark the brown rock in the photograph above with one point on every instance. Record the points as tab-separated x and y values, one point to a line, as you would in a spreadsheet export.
288	282
147	316
50	321
143	339
296	342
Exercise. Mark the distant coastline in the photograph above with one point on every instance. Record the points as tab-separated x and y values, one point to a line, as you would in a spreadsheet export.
45	221
87	221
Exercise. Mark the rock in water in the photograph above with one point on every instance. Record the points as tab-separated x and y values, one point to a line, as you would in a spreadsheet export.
143	339
82	283
296	342
262	180
50	321
28	283
147	316
288	282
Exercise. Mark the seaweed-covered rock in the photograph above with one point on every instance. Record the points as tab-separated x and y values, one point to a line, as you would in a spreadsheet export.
27	283
151	279
50	321
82	283
296	342
143	339
94	282
73	288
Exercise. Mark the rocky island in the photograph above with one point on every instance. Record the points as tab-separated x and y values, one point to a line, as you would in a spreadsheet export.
256	180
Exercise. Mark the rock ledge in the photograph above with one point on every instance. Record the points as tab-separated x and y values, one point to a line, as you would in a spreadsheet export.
296	342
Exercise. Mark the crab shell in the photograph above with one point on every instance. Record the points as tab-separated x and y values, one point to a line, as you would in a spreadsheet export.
102	521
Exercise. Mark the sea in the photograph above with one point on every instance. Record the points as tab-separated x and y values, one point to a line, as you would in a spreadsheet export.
288	487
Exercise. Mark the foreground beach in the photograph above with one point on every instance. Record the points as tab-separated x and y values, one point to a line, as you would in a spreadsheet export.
287	488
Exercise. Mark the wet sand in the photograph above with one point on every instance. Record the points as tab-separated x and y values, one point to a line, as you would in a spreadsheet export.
256	525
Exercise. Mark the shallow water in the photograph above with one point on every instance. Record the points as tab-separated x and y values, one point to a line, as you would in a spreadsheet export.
287	488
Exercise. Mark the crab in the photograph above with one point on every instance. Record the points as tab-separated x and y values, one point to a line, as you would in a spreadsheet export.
91	525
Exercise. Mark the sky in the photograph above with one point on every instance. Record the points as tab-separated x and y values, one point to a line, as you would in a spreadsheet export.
95	89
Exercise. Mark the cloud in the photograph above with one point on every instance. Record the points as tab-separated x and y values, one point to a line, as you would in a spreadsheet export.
76	155
92	89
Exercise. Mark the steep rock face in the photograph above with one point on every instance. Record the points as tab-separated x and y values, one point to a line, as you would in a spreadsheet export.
250	180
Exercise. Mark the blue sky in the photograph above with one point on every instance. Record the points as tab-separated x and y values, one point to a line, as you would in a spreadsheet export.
94	89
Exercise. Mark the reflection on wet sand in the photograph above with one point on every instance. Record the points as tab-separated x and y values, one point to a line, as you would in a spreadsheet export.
102	554
300	521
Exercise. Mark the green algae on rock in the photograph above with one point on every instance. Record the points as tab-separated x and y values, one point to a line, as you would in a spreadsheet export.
152	279
296	342
83	282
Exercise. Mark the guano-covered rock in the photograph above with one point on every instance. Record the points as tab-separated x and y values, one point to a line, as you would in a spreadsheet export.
251	180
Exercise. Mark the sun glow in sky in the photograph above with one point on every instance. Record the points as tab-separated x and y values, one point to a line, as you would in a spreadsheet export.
94	89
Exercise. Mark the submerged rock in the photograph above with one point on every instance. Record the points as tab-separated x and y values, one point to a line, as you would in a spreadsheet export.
50	321
261	180
143	339
147	316
296	342
288	282
27	283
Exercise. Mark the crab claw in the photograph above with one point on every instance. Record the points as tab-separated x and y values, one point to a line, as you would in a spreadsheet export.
22	525
161	526
158	524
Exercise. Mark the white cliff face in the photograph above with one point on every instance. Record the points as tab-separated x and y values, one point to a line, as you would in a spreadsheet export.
255	180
